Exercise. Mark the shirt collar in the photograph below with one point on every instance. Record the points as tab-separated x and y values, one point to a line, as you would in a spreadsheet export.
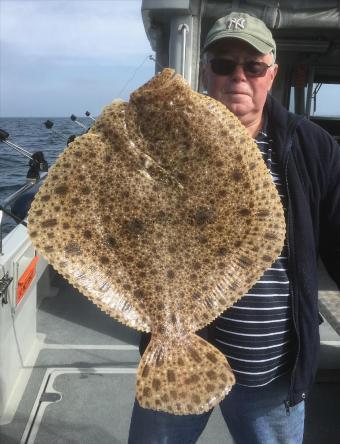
262	134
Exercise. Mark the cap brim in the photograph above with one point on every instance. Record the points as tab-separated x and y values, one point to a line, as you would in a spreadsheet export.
260	46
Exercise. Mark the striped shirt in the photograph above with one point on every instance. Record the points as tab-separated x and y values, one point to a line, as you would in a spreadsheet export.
255	334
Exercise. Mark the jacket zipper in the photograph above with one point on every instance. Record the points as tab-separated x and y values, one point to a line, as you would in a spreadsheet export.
287	146
288	402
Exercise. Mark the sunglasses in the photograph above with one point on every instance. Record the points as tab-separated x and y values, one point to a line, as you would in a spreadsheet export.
225	67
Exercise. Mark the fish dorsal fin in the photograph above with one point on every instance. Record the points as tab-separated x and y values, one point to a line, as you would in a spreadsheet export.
66	222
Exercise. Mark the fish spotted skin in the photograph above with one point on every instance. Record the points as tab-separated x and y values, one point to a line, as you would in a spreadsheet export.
163	215
183	375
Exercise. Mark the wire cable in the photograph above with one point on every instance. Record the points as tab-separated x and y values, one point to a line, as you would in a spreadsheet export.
150	57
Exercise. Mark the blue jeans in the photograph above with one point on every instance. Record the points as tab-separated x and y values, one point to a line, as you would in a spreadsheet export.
253	416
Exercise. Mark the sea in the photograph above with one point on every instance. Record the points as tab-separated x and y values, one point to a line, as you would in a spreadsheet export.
31	134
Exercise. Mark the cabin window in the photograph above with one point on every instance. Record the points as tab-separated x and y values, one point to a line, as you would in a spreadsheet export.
324	106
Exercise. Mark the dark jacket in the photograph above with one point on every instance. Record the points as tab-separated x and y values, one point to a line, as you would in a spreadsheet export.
310	162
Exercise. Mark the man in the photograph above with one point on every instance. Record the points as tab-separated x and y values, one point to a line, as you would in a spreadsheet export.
270	337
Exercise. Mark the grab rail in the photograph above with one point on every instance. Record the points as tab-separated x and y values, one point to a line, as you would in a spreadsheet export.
10	199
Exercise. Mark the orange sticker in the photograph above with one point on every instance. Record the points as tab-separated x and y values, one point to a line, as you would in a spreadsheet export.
26	279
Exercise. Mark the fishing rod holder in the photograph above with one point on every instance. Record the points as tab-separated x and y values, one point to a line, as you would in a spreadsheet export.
3	135
88	114
74	119
71	138
37	162
48	124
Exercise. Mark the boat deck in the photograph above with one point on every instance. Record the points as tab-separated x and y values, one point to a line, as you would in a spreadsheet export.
81	388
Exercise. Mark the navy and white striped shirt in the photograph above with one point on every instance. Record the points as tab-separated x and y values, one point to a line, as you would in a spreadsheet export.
255	334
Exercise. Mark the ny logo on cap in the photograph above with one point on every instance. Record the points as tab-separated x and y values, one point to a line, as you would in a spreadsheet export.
235	23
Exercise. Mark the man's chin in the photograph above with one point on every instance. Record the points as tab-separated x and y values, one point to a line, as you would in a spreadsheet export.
239	109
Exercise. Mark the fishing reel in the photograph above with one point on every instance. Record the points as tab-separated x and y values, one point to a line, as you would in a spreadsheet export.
36	165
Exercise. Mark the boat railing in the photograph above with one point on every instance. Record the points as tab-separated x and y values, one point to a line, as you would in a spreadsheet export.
38	168
5	208
5	205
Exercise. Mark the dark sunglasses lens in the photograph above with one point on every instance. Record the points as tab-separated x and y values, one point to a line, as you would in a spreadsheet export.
222	67
255	69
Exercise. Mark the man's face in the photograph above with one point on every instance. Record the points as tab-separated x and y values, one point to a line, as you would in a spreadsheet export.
242	94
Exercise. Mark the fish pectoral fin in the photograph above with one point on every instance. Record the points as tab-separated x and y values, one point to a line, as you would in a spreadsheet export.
182	377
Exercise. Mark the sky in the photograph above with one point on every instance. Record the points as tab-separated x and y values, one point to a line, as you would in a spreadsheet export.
61	57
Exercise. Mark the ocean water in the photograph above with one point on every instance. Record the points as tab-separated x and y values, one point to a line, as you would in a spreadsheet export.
32	135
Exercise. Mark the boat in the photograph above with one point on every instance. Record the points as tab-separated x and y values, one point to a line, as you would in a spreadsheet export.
67	370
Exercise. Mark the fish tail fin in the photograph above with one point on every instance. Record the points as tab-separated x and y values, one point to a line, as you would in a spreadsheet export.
182	376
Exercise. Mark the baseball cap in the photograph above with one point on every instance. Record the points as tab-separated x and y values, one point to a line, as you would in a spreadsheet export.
239	25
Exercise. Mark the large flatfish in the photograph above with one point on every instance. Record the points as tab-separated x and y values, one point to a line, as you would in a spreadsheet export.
163	215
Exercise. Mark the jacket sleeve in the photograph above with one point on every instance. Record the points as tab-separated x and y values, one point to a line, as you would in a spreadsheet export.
330	212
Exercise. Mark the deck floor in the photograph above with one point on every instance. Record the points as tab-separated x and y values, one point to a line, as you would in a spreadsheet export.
81	389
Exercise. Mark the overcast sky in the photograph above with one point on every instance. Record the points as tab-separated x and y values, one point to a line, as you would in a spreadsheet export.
60	57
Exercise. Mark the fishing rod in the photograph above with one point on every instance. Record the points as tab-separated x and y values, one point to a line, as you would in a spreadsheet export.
37	162
49	125
3	138
74	119
23	197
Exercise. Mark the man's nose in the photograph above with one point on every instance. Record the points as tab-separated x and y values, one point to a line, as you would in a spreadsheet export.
239	73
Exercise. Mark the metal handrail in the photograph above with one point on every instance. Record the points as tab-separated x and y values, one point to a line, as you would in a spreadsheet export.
184	29
12	197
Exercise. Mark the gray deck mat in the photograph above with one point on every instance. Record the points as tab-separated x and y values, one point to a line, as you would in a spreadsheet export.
97	408
70	318
94	408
